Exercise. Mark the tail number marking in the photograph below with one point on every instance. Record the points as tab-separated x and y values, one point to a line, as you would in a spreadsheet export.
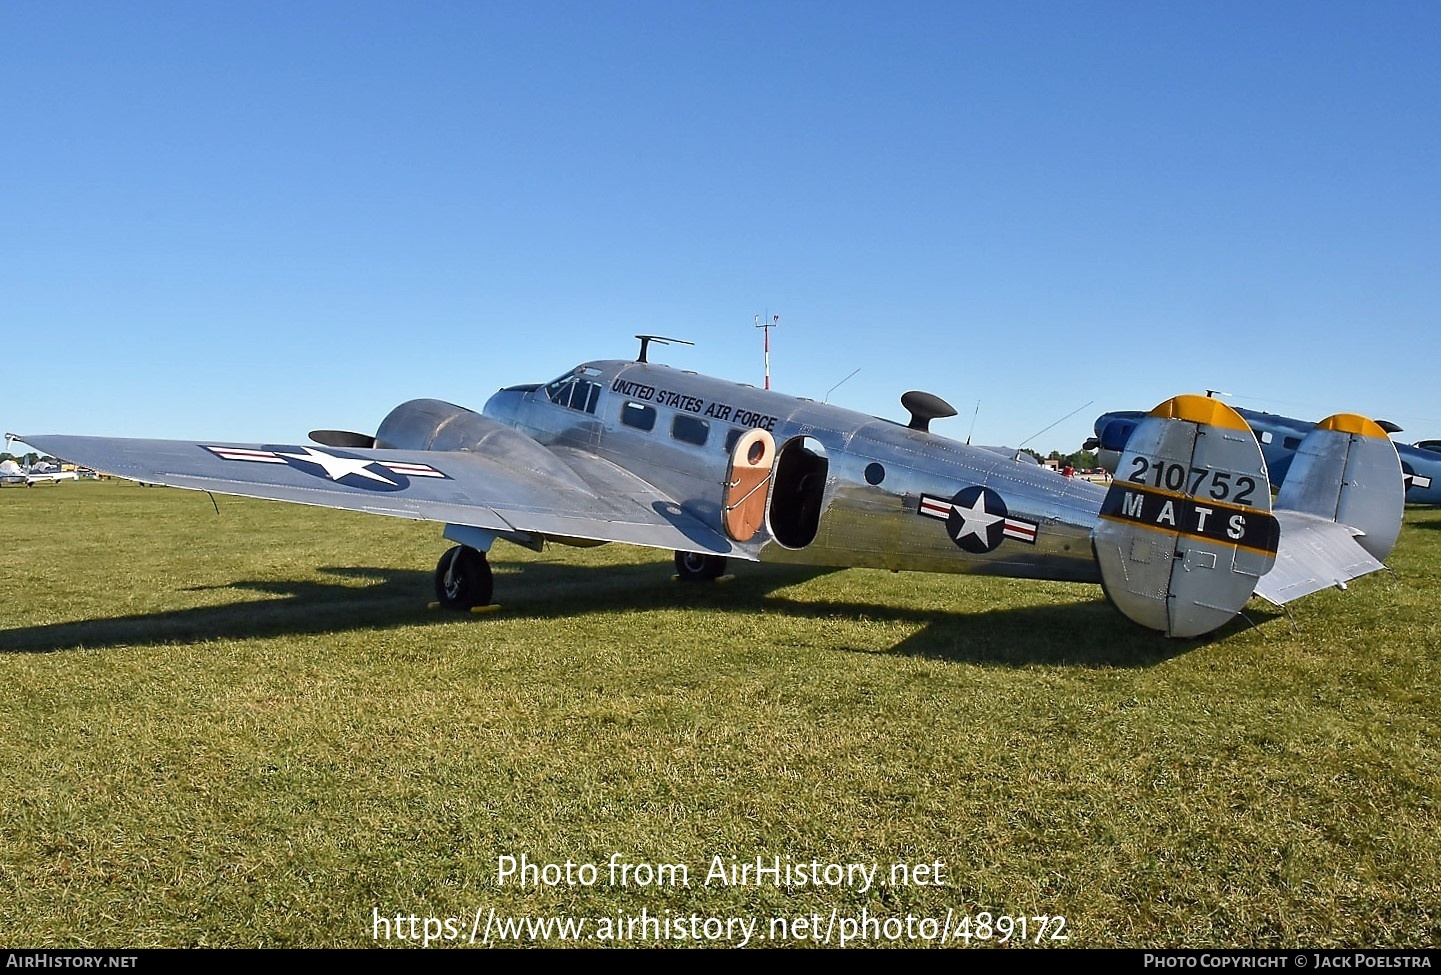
1173	477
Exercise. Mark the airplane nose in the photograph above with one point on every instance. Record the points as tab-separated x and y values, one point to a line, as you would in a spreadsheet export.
505	403
1115	434
1112	433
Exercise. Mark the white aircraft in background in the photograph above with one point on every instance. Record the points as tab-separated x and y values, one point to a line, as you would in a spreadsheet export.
13	473
53	475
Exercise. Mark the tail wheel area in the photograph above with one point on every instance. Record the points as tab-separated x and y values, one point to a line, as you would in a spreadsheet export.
462	579
699	567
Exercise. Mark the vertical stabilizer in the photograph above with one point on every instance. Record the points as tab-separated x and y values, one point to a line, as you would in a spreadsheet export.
1185	531
1346	470
1340	508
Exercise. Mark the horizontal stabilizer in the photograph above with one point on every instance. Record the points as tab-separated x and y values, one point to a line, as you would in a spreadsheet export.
1314	554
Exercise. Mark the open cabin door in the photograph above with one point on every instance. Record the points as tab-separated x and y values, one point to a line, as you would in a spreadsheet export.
798	492
748	477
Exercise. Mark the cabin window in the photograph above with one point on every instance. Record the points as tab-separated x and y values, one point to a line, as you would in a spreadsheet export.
574	393
690	429
731	438
1291	443
638	415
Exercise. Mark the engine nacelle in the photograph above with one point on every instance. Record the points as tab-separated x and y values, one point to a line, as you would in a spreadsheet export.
431	424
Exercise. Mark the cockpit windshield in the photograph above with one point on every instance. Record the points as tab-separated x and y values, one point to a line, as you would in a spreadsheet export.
574	391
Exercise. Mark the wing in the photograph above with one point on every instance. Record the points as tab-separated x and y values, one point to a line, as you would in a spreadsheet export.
583	496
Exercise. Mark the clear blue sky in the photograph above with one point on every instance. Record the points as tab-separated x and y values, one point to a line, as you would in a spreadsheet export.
243	220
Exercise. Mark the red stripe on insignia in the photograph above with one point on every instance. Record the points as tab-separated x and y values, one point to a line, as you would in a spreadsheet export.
939	509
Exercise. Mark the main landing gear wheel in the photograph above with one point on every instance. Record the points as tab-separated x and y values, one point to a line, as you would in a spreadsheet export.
462	579
696	567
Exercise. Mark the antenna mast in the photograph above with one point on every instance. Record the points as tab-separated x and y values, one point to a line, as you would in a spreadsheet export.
774	322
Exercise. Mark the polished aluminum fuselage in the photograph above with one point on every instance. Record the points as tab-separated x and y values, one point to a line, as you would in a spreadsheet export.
864	520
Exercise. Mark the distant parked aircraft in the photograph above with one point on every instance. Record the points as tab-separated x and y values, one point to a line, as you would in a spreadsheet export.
36	475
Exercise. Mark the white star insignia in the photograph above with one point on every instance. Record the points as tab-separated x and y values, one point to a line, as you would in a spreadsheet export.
338	467
975	519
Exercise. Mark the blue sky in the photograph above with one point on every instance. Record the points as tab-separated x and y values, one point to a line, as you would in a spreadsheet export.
242	220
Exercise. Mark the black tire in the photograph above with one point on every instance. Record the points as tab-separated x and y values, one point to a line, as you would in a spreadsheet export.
698	567
462	579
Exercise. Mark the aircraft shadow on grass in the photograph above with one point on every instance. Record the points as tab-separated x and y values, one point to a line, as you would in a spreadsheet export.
1087	633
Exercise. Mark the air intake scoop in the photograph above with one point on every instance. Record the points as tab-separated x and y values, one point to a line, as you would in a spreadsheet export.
342	438
925	407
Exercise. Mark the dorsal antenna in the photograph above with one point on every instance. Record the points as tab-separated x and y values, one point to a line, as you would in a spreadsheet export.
646	340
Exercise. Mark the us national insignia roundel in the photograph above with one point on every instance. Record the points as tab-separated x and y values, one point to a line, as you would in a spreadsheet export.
1411	479
977	519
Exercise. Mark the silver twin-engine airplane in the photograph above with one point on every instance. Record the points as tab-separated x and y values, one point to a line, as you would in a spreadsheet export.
641	453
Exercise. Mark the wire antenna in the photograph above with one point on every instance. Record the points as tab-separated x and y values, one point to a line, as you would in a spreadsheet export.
827	397
1061	420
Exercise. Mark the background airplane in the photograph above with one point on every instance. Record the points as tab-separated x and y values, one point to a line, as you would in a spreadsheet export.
39	473
1280	436
639	452
43	473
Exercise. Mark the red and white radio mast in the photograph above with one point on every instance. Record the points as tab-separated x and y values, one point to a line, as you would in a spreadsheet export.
775	321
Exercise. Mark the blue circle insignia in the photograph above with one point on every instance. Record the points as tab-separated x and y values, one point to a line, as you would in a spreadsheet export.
977	521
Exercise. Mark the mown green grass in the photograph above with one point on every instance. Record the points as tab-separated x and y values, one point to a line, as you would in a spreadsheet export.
247	729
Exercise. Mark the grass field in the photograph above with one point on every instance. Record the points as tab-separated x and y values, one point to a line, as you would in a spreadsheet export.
247	729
